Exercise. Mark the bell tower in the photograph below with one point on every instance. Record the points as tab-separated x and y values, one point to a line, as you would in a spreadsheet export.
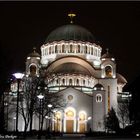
33	63
108	65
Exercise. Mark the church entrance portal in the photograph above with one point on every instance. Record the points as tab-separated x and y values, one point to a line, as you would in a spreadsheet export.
82	122
70	116
69	126
70	123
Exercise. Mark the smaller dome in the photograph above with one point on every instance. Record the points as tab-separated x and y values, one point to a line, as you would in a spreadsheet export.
98	87
107	55
121	79
34	54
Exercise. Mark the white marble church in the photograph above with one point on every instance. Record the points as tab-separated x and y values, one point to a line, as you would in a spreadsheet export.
88	80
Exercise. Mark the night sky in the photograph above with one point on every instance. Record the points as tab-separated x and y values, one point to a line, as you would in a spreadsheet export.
115	25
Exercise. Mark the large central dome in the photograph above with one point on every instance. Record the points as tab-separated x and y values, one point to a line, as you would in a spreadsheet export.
70	32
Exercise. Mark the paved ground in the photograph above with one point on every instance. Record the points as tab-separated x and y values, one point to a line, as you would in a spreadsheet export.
98	139
112	138
86	138
93	138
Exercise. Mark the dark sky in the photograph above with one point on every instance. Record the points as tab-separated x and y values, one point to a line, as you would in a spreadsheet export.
115	25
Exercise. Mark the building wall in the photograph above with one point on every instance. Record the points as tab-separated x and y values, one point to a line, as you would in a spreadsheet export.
81	102
98	110
110	86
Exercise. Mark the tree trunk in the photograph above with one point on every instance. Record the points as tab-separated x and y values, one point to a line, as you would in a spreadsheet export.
25	128
31	111
31	121
42	124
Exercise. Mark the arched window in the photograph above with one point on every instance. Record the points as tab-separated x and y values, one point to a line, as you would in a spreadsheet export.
84	82
77	82
91	50
70	81
108	71
70	48
56	49
86	49
98	98
63	81
57	81
49	50
78	48
33	69
63	48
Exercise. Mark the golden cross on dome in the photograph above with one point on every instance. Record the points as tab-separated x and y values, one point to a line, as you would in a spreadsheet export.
71	15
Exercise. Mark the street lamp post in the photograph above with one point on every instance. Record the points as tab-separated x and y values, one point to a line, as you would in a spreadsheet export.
49	106
14	118
40	97
18	76
6	105
46	117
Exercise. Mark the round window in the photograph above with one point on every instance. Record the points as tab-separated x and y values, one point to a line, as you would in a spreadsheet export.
70	97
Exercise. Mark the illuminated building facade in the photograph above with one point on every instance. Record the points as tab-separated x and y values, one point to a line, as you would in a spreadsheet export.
87	79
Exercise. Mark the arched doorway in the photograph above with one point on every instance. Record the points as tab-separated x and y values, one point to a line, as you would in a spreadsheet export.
33	69
57	121
70	123
82	122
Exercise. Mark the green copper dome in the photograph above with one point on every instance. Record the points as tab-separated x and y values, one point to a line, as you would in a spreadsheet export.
70	32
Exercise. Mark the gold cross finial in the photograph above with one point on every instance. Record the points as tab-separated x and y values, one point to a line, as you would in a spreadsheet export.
71	15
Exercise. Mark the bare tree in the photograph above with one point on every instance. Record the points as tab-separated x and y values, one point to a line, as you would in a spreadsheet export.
111	121
28	101
9	108
30	104
51	101
4	88
123	113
